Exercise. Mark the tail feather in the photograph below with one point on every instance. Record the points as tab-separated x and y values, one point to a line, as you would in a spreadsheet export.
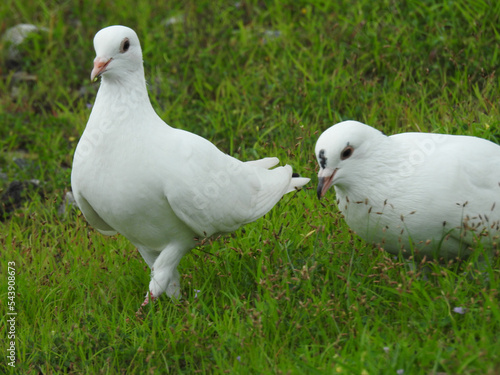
264	163
296	183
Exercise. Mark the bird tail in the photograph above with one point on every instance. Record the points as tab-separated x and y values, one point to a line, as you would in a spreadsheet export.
297	182
264	163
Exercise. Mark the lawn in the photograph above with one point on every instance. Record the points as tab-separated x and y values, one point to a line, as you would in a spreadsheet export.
295	292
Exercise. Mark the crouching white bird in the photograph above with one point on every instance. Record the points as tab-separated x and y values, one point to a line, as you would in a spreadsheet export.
158	186
433	195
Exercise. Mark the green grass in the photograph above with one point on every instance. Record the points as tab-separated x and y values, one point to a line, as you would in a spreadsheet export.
295	292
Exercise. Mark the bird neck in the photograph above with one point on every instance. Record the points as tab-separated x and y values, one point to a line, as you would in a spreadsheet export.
126	90
120	103
124	98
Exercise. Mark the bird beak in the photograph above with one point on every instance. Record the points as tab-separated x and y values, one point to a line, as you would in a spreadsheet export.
100	65
325	181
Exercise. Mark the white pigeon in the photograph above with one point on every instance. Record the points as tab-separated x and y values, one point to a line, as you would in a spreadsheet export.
159	186
421	194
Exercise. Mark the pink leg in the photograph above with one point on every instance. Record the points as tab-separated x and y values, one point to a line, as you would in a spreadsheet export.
146	301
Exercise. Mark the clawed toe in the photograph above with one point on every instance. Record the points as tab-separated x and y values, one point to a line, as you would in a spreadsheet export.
149	298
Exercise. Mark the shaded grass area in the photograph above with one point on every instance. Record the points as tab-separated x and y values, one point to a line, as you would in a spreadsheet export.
296	291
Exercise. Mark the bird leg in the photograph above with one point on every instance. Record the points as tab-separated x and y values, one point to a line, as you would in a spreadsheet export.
146	301
165	277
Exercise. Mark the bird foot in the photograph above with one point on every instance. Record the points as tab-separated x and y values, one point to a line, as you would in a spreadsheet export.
146	300
149	297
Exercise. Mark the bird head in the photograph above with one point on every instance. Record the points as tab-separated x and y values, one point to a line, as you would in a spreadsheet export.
342	153
118	51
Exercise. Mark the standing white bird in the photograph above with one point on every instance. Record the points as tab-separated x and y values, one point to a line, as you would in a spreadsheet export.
432	195
158	186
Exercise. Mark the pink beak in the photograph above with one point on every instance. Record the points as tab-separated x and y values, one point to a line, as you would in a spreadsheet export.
325	181
100	64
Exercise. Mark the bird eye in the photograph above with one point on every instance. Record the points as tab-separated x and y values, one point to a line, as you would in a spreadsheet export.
125	45
346	152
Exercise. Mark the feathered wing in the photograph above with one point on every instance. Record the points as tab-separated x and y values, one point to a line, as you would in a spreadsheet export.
92	216
462	174
470	166
478	185
264	163
78	179
216	193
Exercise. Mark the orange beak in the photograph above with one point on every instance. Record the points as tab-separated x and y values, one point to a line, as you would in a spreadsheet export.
100	65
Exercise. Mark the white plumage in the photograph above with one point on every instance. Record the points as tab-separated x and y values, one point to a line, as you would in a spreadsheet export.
159	186
433	193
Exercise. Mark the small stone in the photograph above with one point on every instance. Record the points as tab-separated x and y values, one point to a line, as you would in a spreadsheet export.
15	37
174	20
68	204
459	310
16	194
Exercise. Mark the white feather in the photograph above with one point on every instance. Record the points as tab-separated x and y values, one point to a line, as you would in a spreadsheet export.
438	194
159	186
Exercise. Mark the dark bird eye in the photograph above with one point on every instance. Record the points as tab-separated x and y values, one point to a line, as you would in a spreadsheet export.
125	45
346	152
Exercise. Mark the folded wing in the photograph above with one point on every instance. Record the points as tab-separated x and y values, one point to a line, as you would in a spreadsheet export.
213	192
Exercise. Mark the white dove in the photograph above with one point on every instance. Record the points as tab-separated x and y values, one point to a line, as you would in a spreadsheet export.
158	186
422	194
